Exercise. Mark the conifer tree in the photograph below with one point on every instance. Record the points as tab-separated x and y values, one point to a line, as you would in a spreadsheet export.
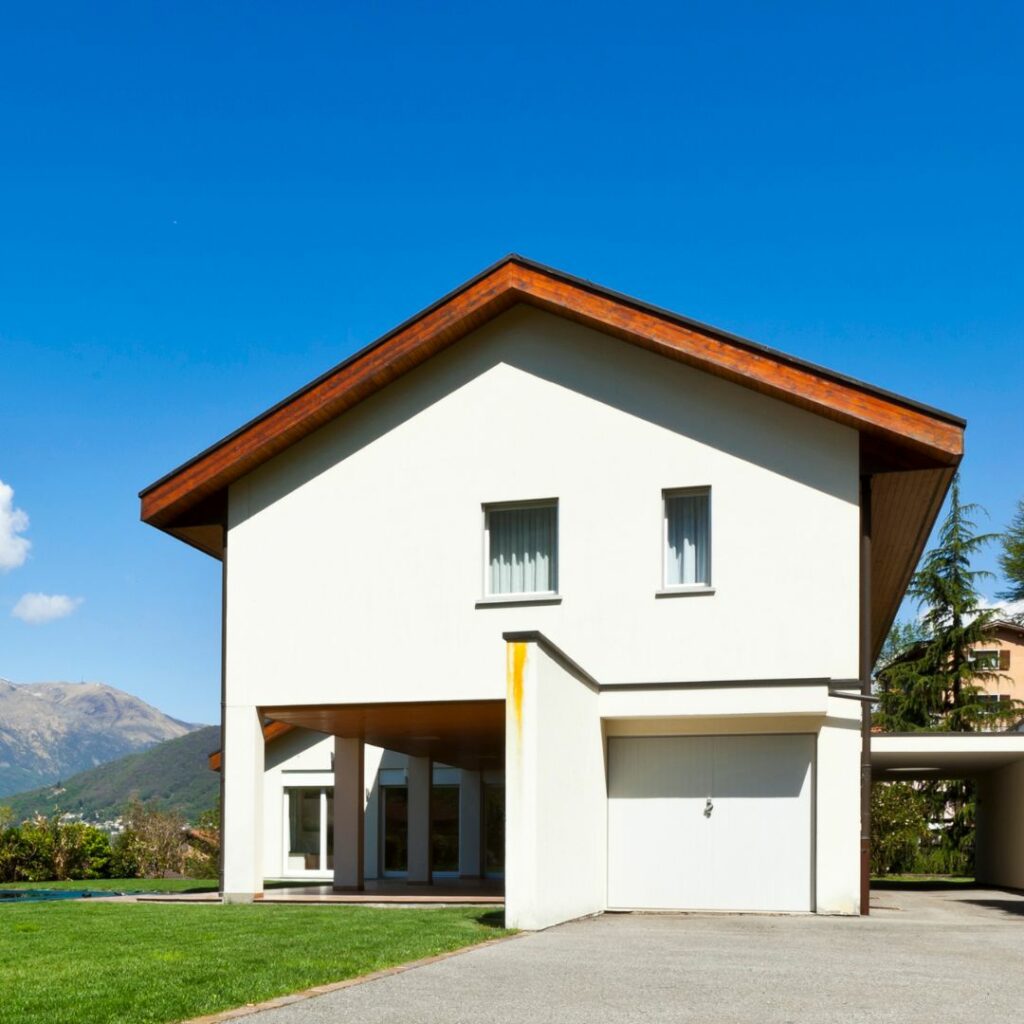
1011	560
935	683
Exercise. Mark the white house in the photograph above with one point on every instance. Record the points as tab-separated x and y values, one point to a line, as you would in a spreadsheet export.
630	565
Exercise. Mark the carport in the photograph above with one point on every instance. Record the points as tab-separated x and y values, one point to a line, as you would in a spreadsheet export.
995	761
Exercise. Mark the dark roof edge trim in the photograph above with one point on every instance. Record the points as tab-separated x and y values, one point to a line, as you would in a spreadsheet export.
586	285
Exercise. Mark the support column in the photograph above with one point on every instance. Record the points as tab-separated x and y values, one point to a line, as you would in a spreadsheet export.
865	688
470	807
349	811
421	772
242	811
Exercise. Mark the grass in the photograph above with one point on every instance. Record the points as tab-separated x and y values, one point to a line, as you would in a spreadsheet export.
124	884
110	963
921	881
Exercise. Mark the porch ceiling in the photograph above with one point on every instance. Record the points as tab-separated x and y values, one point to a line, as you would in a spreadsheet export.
463	733
896	757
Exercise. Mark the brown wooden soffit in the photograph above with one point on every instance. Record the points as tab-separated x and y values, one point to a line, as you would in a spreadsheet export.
271	730
900	433
462	733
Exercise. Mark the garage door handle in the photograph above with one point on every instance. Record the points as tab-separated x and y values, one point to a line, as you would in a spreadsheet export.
708	808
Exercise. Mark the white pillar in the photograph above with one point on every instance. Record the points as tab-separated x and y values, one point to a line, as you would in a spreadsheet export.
470	802
999	857
371	829
242	813
349	805
421	771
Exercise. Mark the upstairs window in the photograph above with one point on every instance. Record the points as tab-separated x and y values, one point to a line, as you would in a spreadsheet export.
990	661
521	548
687	538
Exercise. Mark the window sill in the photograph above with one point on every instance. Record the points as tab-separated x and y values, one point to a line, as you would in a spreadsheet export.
506	600
685	592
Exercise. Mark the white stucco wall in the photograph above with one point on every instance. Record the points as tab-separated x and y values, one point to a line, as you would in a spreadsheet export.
298	758
355	564
555	794
837	810
355	557
999	857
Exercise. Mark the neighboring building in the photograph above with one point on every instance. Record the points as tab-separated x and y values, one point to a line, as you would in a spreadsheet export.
1002	653
630	565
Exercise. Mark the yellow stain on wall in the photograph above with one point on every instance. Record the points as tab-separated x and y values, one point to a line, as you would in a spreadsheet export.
515	662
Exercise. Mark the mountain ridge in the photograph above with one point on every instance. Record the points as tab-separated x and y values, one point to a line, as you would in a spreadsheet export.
52	730
175	774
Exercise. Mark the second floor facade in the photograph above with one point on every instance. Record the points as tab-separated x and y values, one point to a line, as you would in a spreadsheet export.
657	513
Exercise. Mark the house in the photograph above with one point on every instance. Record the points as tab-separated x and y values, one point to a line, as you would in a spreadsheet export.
1002	653
634	568
1000	659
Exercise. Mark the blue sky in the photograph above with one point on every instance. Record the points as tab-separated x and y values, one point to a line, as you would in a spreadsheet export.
204	206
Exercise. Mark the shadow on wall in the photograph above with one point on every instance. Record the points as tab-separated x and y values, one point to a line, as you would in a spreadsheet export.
616	373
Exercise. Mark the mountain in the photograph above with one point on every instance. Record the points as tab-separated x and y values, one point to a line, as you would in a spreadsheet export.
175	773
49	731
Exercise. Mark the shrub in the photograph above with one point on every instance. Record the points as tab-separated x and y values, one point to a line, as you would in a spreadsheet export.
45	849
899	826
153	842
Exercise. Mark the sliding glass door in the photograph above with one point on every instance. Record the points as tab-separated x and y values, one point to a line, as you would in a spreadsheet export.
394	830
309	830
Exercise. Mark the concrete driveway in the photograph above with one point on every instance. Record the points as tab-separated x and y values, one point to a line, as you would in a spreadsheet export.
949	956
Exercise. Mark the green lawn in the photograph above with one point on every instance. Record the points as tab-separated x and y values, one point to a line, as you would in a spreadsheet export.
124	884
921	881
101	963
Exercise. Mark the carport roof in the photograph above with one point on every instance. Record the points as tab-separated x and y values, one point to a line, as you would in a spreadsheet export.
936	755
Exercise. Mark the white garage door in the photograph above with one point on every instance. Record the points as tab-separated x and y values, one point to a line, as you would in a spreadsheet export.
710	822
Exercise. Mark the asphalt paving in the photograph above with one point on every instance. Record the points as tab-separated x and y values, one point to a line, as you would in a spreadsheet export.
953	955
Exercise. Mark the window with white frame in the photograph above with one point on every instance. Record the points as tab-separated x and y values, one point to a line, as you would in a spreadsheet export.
521	548
985	661
686	525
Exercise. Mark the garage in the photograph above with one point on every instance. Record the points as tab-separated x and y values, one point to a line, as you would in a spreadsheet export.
711	822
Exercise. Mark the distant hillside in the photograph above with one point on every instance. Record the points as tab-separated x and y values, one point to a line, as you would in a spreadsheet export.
174	772
50	731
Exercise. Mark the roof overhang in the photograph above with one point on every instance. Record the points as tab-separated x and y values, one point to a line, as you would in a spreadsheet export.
462	733
912	448
937	755
271	731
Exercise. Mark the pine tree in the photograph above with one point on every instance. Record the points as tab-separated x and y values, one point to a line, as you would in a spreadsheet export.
935	683
1011	560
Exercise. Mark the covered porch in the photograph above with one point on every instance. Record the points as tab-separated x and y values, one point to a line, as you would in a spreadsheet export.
415	812
995	761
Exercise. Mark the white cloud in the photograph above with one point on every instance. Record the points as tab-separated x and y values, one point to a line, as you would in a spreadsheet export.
35	609
1007	609
13	549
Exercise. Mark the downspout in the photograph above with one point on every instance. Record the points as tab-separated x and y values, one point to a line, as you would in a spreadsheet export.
865	689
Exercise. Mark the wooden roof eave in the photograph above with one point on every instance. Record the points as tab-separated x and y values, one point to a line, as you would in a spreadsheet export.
907	430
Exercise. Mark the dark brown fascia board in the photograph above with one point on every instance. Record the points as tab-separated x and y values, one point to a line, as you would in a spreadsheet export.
511	292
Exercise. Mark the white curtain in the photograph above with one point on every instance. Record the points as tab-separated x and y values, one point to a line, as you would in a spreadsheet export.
522	549
687	537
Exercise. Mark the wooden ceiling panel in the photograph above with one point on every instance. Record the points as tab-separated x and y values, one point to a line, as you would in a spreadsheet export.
464	734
